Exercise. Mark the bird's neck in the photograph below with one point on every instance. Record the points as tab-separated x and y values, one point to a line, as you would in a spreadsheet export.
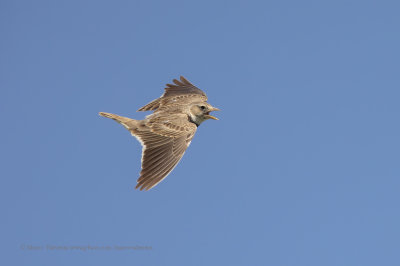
195	119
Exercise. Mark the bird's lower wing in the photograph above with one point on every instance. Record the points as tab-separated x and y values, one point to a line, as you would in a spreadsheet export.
160	154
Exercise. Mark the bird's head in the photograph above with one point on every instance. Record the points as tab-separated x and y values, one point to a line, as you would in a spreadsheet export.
199	112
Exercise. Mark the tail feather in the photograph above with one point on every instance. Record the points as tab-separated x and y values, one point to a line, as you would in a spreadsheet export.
128	123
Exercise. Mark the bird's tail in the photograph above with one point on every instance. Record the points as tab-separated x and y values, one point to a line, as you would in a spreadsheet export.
128	123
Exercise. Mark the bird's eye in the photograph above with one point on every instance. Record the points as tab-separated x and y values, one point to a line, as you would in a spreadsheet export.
202	107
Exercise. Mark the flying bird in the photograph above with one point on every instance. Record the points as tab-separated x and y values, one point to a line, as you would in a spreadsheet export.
167	132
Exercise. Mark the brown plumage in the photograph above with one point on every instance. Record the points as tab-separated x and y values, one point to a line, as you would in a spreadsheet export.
166	134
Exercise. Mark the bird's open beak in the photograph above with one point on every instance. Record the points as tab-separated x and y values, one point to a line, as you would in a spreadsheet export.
210	116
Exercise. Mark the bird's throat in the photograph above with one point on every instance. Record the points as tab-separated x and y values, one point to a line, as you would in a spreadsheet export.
195	120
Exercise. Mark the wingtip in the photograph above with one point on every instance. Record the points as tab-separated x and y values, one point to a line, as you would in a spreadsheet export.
177	82
139	186
143	187
185	81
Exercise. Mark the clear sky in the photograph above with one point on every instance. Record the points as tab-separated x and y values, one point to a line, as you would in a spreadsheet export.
301	169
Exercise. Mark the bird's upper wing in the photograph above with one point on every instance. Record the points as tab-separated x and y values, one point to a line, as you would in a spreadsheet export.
181	92
164	144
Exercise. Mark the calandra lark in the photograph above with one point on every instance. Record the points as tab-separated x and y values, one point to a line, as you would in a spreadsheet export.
166	133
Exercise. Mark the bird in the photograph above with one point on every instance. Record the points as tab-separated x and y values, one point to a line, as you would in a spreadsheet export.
168	131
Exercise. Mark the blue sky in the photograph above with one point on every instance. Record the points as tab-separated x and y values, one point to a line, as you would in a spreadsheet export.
301	169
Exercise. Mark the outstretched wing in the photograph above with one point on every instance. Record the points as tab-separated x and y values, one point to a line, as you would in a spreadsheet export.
163	146
181	91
